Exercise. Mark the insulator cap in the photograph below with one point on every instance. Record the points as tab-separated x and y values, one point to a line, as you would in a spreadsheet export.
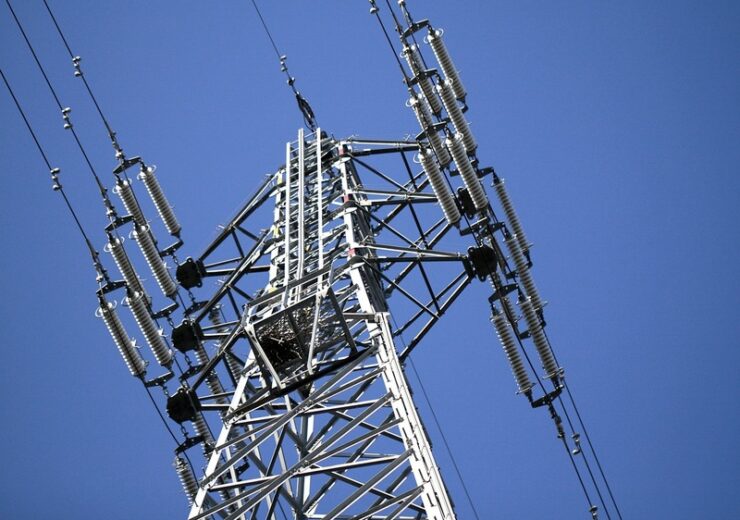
139	308
126	346
413	58
144	238
506	336
126	192
445	62
118	252
187	478
552	371
440	187
201	428
146	175
523	272
467	172
510	212
426	123
456	115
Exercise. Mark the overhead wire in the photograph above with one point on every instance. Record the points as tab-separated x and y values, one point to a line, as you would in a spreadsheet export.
585	460
75	60
64	111
444	439
437	423
309	117
57	185
588	438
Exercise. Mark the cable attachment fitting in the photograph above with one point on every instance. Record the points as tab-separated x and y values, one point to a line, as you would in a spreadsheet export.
117	147
373	8
56	185
308	116
76	62
558	421
65	116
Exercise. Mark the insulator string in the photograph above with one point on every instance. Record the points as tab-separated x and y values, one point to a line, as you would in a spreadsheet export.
111	133
94	253
106	200
375	10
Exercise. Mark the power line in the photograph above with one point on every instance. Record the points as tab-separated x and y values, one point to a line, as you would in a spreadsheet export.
81	75
439	426
309	117
588	437
444	439
57	186
65	113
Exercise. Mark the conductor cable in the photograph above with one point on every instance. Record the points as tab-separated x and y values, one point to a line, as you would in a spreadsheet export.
56	184
65	114
309	117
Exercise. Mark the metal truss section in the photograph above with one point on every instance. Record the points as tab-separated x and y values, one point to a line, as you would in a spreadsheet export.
306	382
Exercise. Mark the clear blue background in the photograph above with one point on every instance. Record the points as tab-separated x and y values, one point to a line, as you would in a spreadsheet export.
616	125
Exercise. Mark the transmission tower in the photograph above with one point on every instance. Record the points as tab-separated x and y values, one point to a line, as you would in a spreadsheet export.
288	382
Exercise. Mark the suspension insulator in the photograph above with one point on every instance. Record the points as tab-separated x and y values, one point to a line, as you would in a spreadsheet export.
440	187
187	478
146	175
540	341
511	215
456	115
126	346
137	304
506	336
445	62
413	58
508	308
201	428
212	381
469	177
126	192
143	237
421	109
116	249
214	316
522	271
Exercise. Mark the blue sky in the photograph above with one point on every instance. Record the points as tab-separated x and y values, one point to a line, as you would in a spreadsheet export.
616	126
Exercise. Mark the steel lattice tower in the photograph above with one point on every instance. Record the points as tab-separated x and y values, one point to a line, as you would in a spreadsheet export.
321	419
